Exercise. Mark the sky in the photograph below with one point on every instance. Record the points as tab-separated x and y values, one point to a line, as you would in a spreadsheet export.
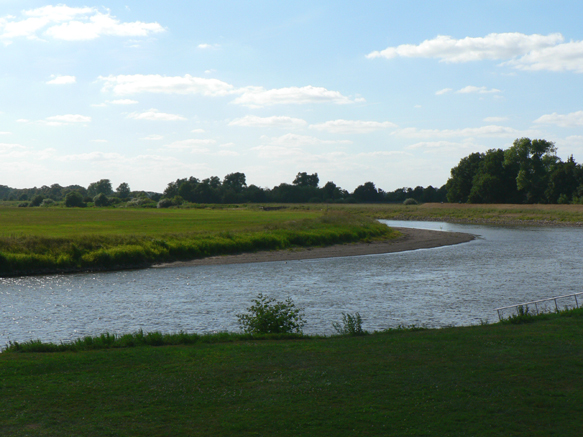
393	92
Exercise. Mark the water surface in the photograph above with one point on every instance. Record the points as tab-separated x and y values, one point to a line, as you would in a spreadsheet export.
453	285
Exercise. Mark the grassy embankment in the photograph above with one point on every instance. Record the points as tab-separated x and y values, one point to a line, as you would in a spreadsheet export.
491	380
43	240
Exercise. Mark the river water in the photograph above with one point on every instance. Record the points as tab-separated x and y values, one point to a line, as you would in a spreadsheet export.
453	285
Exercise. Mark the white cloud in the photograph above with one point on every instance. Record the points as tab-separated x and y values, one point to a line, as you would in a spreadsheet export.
22	120
62	80
256	97
493	46
124	102
479	90
5	133
192	145
443	91
152	137
352	126
197	131
208	46
227	153
564	120
562	57
273	121
443	146
91	156
573	140
5	147
294	140
495	119
484	131
155	115
70	23
155	83
59	120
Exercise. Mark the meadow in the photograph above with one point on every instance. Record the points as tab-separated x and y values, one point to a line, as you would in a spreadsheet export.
50	240
487	380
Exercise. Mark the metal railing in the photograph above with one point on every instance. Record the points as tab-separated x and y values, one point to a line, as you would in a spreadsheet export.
536	302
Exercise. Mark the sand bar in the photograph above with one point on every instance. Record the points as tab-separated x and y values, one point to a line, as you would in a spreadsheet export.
411	239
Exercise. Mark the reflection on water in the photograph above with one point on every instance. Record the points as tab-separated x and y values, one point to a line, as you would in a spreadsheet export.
455	285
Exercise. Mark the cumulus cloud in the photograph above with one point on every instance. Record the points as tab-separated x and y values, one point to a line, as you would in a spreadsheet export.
208	46
273	121
443	91
124	102
155	83
524	52
493	46
352	126
294	140
62	80
443	146
256	97
71	24
573	119
484	131
479	90
58	120
155	115
5	133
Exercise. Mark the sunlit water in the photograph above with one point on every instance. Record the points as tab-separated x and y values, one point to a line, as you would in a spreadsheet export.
454	285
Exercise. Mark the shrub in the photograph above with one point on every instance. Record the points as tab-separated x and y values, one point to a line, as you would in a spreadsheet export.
101	200
74	199
36	200
267	316
47	202
410	201
164	203
351	325
23	205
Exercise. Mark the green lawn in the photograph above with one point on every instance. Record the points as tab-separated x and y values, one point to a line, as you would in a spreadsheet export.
518	380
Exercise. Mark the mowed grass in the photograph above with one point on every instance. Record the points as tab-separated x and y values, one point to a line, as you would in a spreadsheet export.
70	222
53	240
492	380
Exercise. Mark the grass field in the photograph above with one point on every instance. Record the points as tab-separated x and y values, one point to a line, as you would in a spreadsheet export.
491	380
49	240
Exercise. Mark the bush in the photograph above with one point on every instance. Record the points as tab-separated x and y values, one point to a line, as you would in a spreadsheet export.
410	201
74	199
36	200
101	200
351	325
164	203
47	202
23	205
267	316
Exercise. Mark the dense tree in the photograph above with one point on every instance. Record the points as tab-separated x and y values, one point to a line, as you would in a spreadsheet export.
100	187
74	199
366	193
235	181
123	191
305	180
460	183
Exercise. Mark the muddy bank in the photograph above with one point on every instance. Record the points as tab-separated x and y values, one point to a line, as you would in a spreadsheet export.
411	239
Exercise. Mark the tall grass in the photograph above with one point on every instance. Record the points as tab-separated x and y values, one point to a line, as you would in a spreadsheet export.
30	254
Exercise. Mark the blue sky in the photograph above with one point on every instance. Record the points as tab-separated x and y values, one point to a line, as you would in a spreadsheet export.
396	93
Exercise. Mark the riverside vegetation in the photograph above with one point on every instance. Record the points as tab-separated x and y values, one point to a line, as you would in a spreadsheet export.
34	240
511	378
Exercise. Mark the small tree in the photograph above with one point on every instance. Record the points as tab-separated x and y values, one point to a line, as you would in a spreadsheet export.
123	191
267	316
36	200
74	199
101	200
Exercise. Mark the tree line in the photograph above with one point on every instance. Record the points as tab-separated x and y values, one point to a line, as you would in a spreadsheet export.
231	189
527	172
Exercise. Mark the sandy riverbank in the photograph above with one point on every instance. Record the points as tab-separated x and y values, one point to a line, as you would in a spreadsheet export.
410	240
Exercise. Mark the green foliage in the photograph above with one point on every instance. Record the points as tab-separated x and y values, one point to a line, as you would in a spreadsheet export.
100	187
268	316
123	191
74	199
165	203
101	200
351	325
36	200
410	201
47	202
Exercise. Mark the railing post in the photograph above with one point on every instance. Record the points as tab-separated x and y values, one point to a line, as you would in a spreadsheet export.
576	301
556	306
536	308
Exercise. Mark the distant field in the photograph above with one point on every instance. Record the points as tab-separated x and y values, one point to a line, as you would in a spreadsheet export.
472	213
69	222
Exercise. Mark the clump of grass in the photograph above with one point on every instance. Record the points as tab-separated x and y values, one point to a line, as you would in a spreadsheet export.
351	325
140	339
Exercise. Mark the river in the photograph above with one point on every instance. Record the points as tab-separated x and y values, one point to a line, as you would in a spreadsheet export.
453	285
